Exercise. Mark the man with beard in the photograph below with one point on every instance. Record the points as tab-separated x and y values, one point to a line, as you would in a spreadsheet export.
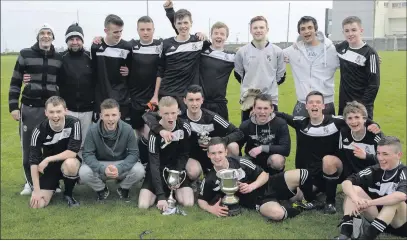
259	67
43	65
54	146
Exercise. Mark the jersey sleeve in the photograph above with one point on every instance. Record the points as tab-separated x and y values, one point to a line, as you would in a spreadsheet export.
170	13
363	178
154	162
293	121
283	144
208	190
239	69
281	68
37	139
75	138
244	126
229	132
16	83
402	186
152	121
252	171
373	78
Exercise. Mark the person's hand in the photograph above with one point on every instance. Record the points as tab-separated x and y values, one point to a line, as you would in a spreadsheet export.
255	151
245	188
162	205
15	114
35	199
286	59
43	165
359	152
219	210
167	135
26	78
97	40
201	36
111	171
124	71
168	4
374	128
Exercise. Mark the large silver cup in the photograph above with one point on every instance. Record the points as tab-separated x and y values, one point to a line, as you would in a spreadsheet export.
173	179
229	186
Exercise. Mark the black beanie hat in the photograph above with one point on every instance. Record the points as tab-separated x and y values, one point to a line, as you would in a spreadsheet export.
74	30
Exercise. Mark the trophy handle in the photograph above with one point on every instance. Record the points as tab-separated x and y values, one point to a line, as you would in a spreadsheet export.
185	177
165	170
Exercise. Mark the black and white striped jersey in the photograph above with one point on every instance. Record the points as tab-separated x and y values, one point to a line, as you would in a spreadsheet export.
46	142
179	65
214	72
360	74
173	155
143	71
378	183
367	143
247	173
106	63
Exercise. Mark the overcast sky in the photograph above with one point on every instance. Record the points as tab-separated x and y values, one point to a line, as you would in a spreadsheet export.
21	19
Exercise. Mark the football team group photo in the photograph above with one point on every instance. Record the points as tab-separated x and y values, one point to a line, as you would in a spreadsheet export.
151	124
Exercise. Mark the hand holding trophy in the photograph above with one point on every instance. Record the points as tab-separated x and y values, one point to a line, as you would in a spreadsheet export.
229	186
173	179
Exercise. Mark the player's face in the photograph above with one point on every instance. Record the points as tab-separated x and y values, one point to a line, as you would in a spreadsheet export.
355	121
353	33
217	154
183	26
45	38
55	115
315	105
114	32
307	32
262	110
193	101
388	157
169	115
145	31
219	36
75	43
110	118
259	30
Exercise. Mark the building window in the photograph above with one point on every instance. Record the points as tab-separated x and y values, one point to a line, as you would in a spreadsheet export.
404	4
386	4
398	5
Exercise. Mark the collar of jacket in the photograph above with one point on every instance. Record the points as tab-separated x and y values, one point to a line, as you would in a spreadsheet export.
76	53
36	48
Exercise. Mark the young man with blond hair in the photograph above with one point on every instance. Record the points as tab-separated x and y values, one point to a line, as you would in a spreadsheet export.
259	67
55	143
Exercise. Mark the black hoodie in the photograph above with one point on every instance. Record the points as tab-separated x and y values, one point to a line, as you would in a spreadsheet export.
44	68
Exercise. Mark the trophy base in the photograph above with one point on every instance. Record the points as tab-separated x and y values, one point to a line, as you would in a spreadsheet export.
234	209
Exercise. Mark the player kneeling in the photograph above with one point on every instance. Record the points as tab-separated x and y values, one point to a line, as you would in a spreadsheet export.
172	155
378	193
55	143
257	190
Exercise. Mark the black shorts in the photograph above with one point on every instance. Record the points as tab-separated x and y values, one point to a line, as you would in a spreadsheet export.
219	108
125	113
148	184
136	115
260	160
52	174
203	159
401	231
143	150
276	190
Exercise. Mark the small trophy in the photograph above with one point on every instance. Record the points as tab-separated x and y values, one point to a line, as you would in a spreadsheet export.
204	138
173	179
229	186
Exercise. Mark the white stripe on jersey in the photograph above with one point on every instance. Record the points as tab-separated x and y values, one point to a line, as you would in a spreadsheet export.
154	50
248	163
114	53
188	128
151	144
65	133
34	138
377	138
386	188
373	64
299	117
365	172
402	176
353	57
202	187
188	47
321	130
77	131
216	54
221	121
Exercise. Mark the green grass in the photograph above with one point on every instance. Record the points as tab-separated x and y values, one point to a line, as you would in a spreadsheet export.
115	220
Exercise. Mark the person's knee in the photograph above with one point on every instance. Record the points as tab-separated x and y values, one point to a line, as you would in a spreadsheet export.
193	169
70	167
274	212
276	162
358	190
330	164
233	149
137	171
187	201
143	203
85	173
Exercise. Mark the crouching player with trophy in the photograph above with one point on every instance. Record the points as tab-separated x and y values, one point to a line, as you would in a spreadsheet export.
165	172
235	182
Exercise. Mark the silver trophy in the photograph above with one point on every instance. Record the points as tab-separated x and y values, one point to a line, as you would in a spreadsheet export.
229	186
204	138
173	180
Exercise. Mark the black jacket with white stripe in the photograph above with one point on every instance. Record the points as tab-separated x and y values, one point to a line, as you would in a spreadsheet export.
46	142
44	69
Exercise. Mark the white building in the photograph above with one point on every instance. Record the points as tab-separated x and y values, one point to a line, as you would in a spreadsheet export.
390	19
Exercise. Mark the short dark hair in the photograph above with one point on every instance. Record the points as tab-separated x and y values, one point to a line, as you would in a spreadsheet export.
194	89
314	92
55	101
215	141
391	141
145	19
352	19
306	19
263	97
258	18
113	19
182	13
109	104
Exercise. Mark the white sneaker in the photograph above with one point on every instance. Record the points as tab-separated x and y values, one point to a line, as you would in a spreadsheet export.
27	190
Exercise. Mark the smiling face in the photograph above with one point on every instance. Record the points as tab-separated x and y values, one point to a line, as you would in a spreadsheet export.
217	153
356	121
262	110
389	156
110	118
75	43
56	115
218	37
45	38
259	30
307	32
113	33
353	33
183	26
315	105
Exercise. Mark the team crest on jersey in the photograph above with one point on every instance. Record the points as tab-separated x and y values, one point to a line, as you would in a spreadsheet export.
326	129
157	49
25	128
136	47
358	60
269	58
194	47
123	53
